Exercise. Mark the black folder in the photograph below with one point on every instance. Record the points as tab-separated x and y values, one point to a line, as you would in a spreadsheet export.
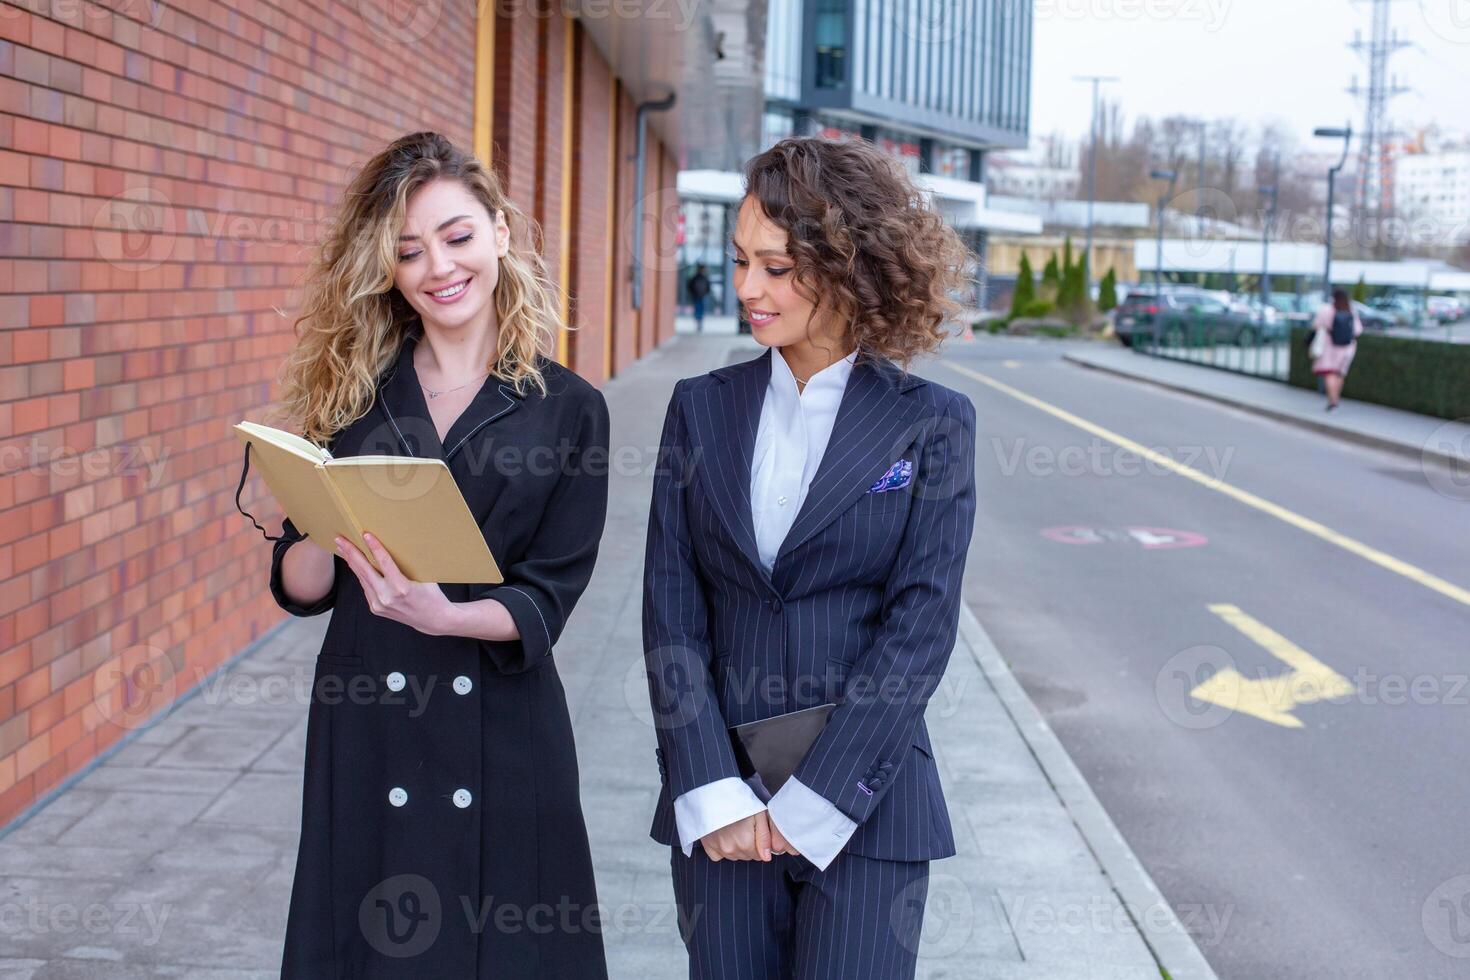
772	748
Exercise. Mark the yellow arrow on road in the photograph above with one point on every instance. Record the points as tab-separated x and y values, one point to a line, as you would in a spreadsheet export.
1271	698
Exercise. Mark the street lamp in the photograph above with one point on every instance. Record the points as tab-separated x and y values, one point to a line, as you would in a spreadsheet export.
1199	193
1171	176
1096	81
1272	192
1346	135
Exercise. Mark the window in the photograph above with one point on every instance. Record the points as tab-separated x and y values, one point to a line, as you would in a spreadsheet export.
830	37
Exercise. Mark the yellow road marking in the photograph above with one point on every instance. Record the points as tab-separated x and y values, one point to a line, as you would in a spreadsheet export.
1380	558
1271	698
1011	364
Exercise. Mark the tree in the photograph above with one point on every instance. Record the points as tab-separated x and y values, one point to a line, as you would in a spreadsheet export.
1073	296
1360	291
1051	279
1066	298
1025	292
1107	292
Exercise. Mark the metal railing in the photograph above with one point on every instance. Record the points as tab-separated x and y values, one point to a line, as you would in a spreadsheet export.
1256	348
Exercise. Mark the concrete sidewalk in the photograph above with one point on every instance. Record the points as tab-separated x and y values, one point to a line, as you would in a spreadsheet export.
1422	437
173	856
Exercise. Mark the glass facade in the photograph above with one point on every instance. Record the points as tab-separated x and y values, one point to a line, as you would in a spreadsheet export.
829	34
783	50
936	84
956	66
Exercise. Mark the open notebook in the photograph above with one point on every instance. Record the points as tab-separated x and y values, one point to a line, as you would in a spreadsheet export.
412	505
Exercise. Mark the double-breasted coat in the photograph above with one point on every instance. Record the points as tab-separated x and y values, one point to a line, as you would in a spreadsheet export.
442	834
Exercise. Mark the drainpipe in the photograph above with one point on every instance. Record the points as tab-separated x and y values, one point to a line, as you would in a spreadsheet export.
644	108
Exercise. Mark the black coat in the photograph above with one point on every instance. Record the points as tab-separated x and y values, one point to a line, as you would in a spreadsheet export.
442	832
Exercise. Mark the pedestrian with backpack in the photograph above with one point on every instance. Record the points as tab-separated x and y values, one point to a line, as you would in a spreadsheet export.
1334	344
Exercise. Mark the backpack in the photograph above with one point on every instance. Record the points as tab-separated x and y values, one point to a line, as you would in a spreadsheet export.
1342	328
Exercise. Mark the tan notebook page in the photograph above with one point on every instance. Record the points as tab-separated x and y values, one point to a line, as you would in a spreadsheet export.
412	505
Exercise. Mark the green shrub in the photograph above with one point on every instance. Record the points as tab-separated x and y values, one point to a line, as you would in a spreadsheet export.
1051	277
1424	376
1107	293
1025	287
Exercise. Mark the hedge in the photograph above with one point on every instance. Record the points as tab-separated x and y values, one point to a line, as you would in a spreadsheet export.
1430	377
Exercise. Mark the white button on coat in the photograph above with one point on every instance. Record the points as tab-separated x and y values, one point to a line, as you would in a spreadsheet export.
396	681
462	798
463	685
398	796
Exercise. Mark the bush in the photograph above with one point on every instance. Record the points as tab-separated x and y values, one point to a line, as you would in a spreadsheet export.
1424	376
1039	308
1073	296
1025	292
1051	279
1054	330
1107	293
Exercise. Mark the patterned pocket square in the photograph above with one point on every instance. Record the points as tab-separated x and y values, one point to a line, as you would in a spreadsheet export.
897	477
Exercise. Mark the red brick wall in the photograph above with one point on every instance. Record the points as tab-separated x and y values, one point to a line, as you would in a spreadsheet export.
668	248
162	183
625	318
592	156
516	94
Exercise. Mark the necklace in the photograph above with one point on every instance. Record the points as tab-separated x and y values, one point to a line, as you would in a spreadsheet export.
436	394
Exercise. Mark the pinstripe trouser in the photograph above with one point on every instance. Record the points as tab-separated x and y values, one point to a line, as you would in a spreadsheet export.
785	920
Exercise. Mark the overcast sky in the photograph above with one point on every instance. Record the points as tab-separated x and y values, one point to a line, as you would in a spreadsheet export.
1252	59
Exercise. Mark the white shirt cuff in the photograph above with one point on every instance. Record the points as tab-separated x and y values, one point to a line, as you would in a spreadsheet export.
810	821
705	809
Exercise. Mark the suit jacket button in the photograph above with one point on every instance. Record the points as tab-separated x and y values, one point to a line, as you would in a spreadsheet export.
775	605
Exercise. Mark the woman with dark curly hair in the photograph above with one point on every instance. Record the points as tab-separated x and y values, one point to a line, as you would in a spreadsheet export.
441	830
810	519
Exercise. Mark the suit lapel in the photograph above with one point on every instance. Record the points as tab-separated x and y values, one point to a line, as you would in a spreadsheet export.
725	435
875	421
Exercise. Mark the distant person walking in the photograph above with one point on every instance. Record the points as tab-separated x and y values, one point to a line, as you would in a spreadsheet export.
698	290
1337	327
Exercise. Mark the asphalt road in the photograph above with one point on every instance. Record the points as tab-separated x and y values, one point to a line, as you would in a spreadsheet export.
1331	850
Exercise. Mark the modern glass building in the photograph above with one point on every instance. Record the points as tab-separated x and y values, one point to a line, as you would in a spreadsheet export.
951	78
939	85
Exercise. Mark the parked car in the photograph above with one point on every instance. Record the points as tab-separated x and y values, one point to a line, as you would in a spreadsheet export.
1181	316
1402	309
1293	308
1374	319
1447	309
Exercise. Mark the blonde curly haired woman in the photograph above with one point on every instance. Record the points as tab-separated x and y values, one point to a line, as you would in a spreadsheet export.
442	833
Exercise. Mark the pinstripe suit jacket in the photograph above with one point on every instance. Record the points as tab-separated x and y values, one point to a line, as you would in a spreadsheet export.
860	609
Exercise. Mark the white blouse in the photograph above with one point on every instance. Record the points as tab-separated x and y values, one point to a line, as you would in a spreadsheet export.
789	442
